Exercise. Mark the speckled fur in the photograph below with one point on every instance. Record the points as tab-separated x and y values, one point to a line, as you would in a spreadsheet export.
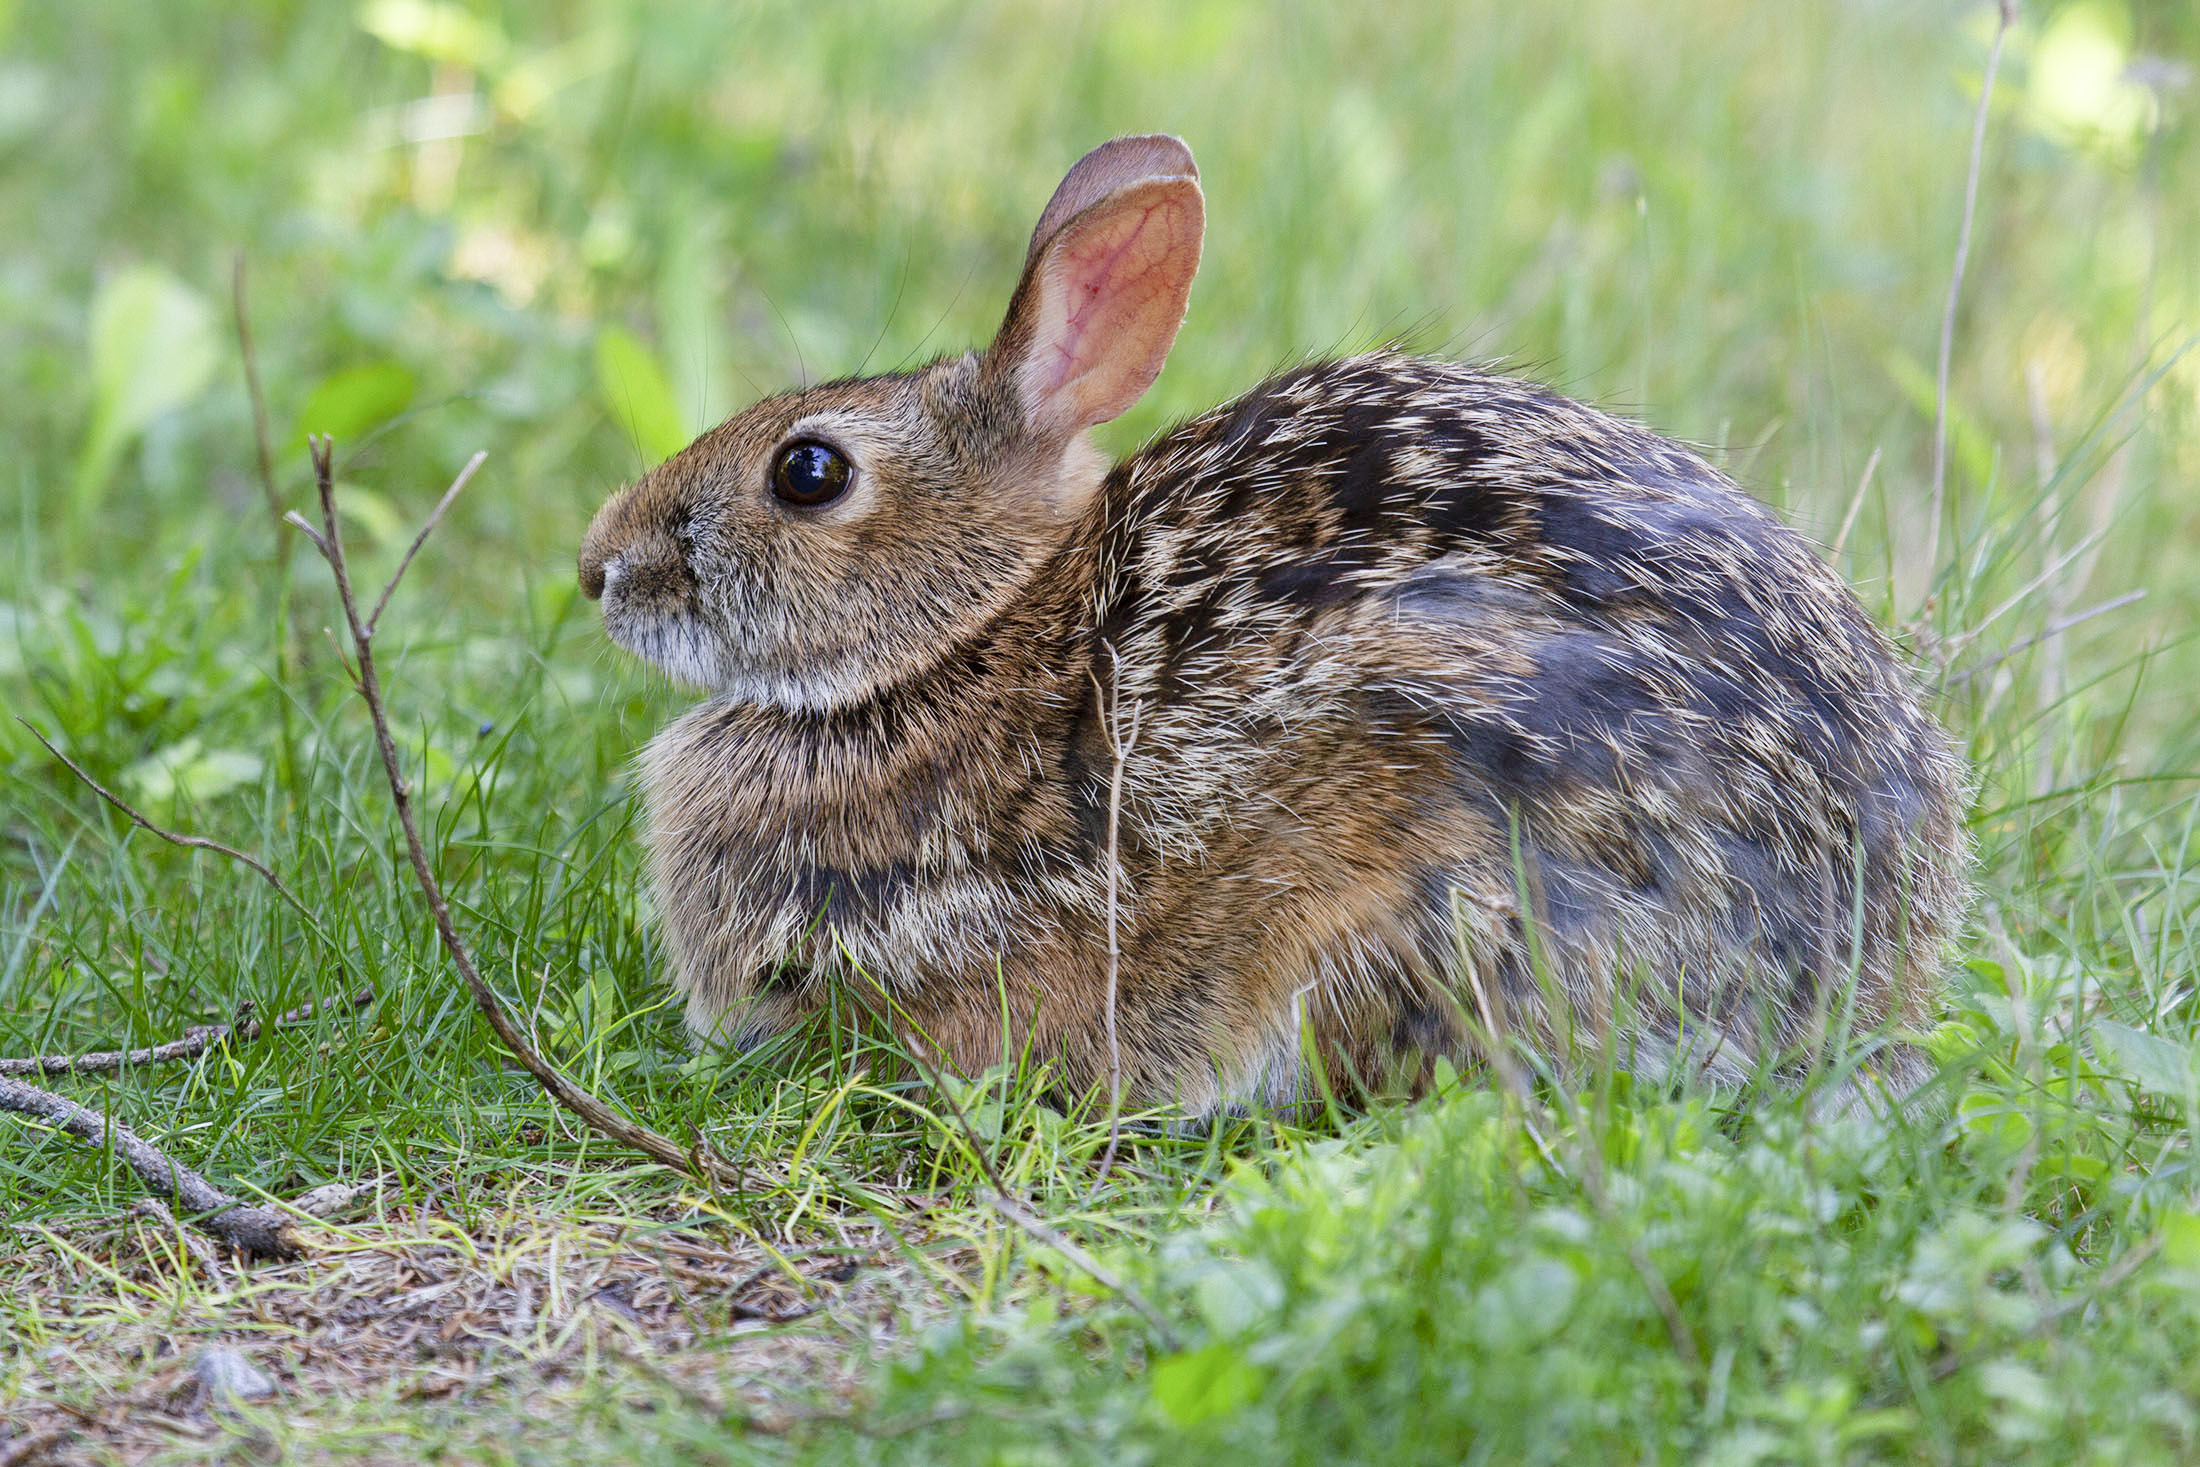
1449	690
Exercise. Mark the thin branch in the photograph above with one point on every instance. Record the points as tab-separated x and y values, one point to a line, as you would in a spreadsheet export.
1104	1276
257	1231
192	842
1120	745
2054	628
1020	1215
2043	431
2024	596
2007	16
195	1041
260	1231
580	1102
2111	1279
1490	1018
1638	1257
1590	1166
297	522
21	1451
435	517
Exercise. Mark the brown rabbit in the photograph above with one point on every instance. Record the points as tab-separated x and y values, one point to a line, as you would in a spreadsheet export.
1450	705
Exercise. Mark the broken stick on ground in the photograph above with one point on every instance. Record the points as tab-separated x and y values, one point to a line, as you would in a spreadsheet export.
194	1041
255	1231
260	1231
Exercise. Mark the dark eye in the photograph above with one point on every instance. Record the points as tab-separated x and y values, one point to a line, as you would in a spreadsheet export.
810	474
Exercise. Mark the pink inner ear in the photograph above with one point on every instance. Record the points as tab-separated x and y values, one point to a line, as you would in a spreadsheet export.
1102	278
1114	293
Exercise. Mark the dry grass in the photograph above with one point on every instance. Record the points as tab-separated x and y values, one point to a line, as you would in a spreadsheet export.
424	1325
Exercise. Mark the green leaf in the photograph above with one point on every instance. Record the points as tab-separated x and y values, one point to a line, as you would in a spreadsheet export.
187	770
1239	1297
2081	89
638	393
346	404
373	513
1991	1121
2156	1065
1528	1303
152	351
1200	1385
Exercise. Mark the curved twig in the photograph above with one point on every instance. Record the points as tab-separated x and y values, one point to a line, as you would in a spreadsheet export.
1120	745
192	842
427	528
329	541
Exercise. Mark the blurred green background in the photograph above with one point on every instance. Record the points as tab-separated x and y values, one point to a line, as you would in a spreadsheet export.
573	233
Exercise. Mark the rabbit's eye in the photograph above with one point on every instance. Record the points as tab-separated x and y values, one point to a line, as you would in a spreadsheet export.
810	474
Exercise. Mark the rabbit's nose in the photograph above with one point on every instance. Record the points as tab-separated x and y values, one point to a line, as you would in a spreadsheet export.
595	554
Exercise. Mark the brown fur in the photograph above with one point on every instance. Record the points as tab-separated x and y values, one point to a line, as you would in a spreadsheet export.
1446	686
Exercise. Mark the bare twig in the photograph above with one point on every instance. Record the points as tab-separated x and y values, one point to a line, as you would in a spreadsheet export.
1591	1167
1023	1217
2054	628
1120	745
1489	1016
193	842
24	1450
2043	431
427	528
2024	596
2007	16
2123	1268
328	540
2112	1278
1102	1275
258	1231
195	1041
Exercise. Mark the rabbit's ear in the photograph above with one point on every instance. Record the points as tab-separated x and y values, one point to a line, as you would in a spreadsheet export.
1104	286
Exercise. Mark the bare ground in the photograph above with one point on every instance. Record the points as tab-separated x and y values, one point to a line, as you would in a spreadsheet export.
424	1328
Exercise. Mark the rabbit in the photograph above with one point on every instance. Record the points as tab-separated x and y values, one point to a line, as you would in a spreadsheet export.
1396	710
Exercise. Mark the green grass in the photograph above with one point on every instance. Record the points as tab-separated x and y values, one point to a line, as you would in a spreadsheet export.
1737	226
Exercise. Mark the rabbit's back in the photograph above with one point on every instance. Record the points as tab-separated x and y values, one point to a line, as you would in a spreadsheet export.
1649	748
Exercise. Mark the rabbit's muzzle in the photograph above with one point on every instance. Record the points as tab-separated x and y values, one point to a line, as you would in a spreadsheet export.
635	552
647	573
635	560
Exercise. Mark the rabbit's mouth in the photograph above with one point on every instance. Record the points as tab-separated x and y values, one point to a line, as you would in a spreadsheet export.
695	651
676	645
